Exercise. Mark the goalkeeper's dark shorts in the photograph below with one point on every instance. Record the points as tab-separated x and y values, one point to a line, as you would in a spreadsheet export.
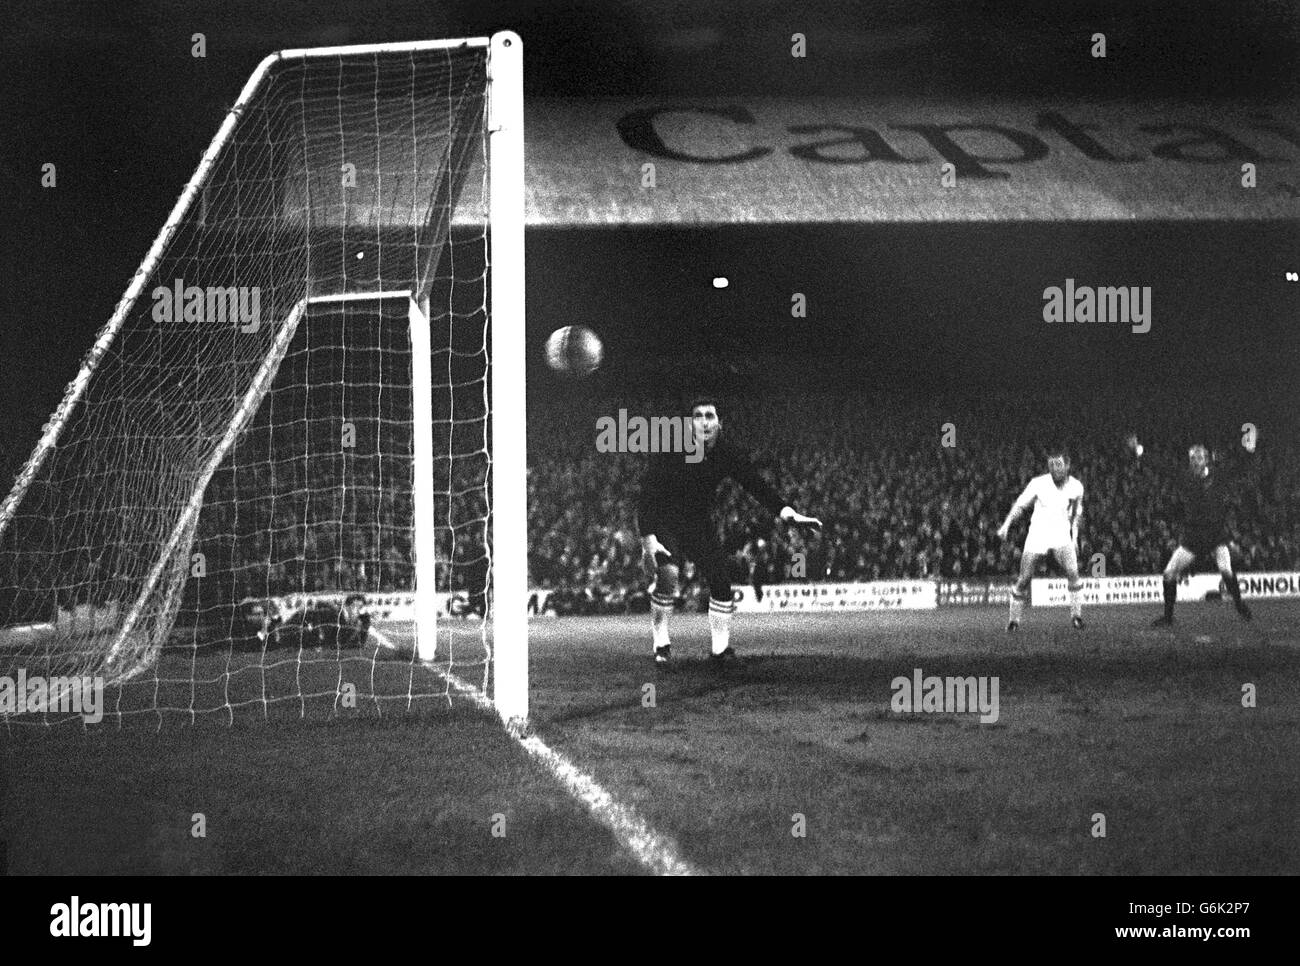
700	545
1204	541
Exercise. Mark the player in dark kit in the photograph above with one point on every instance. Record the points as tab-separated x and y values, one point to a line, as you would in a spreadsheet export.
673	514
1205	493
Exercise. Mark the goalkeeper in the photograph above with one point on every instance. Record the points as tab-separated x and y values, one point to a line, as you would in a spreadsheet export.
673	514
1205	493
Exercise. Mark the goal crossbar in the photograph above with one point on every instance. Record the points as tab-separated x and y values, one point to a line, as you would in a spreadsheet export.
77	387
422	415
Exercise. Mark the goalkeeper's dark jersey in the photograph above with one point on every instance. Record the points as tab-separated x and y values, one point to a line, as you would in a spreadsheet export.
677	496
1206	499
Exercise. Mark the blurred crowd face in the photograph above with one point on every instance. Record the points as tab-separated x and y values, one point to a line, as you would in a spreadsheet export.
1059	467
707	424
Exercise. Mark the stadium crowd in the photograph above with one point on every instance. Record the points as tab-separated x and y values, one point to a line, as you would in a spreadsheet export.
899	503
906	489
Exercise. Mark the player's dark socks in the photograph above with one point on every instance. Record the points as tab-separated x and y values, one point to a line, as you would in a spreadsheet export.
1234	588
1171	595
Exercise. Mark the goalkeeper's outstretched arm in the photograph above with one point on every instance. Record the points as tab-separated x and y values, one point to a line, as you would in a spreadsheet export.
743	471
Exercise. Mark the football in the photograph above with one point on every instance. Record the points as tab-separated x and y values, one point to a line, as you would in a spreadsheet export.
574	350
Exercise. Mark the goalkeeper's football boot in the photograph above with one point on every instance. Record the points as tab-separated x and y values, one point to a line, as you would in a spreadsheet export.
724	656
1013	626
1163	621
1077	622
1244	611
663	654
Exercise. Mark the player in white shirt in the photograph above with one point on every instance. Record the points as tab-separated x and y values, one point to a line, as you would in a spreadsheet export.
1057	499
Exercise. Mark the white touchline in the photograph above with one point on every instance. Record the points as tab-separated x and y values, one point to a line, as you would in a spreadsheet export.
654	851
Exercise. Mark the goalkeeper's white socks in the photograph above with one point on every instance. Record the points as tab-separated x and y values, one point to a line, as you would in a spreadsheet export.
661	606
720	624
1076	603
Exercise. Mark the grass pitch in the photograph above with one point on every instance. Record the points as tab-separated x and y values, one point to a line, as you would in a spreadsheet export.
1144	727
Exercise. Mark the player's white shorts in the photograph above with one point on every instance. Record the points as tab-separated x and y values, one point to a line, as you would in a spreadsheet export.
1045	541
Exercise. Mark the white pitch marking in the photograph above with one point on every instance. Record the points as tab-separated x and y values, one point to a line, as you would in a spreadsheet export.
654	851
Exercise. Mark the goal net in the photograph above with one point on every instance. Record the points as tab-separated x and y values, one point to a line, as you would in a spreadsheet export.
279	477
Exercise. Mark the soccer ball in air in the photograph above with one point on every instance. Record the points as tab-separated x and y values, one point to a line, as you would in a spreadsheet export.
574	350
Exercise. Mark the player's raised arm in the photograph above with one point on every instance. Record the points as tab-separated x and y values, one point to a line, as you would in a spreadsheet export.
1158	462
1242	466
790	515
1023	503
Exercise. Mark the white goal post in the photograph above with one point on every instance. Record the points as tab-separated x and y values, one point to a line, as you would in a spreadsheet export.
156	411
510	569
